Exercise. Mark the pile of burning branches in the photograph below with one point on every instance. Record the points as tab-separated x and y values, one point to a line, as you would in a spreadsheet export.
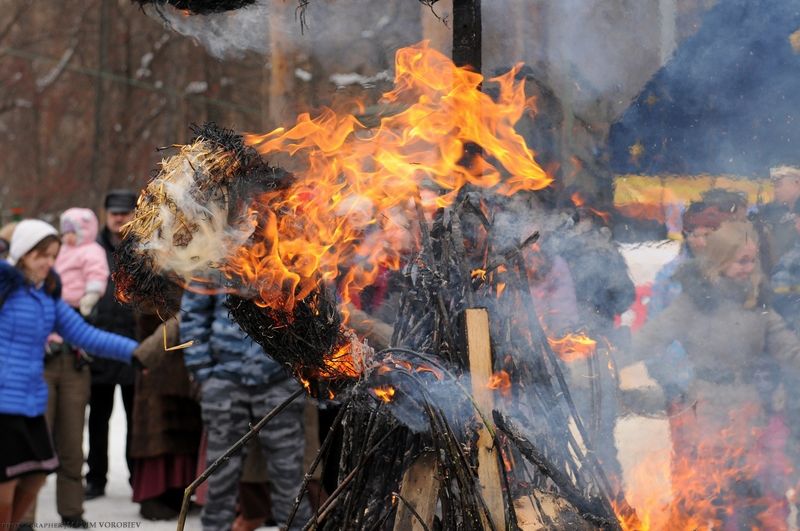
409	197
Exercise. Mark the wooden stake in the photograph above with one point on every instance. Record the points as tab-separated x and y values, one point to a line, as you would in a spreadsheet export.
420	490
480	366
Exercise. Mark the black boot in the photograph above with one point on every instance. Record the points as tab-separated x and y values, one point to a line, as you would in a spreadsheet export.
93	491
155	509
76	522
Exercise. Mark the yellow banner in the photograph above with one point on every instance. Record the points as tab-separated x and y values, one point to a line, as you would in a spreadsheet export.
648	197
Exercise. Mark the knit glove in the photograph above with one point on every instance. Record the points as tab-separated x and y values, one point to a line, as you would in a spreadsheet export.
88	302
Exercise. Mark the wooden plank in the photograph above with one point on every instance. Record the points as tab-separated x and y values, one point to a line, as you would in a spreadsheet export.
480	367
420	489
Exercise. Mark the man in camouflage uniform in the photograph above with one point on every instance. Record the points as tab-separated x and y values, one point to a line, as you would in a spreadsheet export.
239	384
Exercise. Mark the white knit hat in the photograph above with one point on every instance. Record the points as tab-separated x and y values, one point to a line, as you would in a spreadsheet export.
27	234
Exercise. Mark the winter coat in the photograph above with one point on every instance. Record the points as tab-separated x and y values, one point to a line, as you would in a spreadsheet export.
665	287
603	287
775	225
112	316
166	417
713	345
221	348
83	267
785	284
28	315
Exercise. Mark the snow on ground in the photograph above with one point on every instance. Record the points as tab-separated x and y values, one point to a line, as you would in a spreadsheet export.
116	506
636	436
643	438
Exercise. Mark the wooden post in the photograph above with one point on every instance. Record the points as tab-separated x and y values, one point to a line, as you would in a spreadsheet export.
467	33
480	367
420	489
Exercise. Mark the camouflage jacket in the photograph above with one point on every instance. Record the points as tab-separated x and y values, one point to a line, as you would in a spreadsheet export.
221	349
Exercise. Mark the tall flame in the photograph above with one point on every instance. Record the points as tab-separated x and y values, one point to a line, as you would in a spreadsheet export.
356	188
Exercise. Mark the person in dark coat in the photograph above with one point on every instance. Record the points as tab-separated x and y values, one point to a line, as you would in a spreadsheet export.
775	221
166	428
107	374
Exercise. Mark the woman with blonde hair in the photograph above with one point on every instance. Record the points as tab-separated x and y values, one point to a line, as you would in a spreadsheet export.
706	350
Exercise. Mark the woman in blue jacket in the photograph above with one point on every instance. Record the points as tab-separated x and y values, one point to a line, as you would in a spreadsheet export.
31	310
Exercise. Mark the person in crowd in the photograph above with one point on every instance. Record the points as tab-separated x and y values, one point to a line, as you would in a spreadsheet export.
107	374
603	289
785	285
785	280
699	220
603	285
775	221
166	428
238	383
81	263
553	292
82	267
730	202
703	350
31	310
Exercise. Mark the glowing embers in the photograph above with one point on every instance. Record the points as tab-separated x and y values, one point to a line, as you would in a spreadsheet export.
500	381
384	392
572	347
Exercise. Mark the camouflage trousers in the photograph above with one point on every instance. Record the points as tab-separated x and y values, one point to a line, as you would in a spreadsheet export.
228	410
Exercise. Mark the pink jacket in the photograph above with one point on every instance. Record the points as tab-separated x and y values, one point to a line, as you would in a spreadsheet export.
83	267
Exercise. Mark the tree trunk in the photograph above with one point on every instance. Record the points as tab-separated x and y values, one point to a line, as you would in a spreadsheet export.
100	91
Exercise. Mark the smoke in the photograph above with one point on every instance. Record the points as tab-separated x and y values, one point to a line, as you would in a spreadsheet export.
213	238
228	34
354	35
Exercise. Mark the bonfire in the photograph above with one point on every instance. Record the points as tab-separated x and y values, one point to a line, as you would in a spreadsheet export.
470	393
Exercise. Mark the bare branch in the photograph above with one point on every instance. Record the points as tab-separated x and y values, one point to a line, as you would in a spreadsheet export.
45	81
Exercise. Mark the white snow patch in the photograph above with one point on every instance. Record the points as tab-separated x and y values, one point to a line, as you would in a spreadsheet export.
303	75
352	78
196	87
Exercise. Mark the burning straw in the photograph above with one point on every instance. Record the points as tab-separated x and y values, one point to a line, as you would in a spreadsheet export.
402	197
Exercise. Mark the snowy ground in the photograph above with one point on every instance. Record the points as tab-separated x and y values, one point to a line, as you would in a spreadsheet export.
116	506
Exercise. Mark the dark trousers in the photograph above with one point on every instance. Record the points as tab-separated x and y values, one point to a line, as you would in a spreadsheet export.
101	403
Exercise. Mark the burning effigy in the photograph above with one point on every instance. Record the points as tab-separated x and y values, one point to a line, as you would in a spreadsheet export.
469	392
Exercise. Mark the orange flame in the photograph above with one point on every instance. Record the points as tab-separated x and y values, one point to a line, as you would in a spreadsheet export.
580	202
713	479
384	392
501	381
354	198
573	347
